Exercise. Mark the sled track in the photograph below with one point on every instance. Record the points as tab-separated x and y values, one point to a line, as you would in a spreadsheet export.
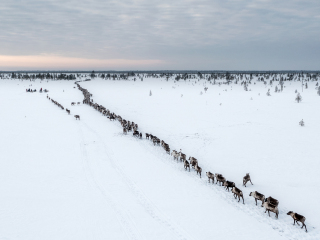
124	219
147	205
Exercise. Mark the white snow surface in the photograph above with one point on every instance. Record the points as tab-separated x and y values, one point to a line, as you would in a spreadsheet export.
62	178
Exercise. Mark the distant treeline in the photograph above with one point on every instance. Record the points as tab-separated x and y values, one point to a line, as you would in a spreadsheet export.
30	76
165	72
206	75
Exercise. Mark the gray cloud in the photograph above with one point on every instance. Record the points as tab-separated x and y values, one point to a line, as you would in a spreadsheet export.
186	34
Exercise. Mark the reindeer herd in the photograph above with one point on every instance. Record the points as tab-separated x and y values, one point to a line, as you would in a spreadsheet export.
56	103
77	117
270	204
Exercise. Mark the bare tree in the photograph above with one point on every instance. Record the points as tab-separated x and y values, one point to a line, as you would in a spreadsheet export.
298	98
268	93
301	123
245	86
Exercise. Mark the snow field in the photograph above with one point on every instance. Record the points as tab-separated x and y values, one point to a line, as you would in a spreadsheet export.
265	141
85	179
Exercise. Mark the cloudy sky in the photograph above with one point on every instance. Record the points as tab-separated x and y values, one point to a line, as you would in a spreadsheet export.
160	34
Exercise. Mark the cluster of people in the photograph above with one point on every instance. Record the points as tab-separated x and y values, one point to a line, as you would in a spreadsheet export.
34	90
30	90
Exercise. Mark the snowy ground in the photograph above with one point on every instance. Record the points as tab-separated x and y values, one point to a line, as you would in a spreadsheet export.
68	179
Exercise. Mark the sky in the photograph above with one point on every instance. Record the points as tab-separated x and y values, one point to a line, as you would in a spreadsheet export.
159	35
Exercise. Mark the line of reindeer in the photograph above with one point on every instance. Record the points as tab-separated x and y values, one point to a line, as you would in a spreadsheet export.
270	204
59	105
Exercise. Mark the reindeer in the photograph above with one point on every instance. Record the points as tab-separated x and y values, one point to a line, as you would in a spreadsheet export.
271	207
156	141
272	200
193	161
73	103
147	135
228	184
136	133
124	131
210	176
246	179
237	193
167	149
198	169
186	165
182	156
298	218
220	178
257	196
175	155
77	117
165	146
78	103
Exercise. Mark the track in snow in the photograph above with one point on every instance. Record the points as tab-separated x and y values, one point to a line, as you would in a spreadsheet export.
124	217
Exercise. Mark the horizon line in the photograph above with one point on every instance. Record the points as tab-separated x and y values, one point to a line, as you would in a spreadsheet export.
155	71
